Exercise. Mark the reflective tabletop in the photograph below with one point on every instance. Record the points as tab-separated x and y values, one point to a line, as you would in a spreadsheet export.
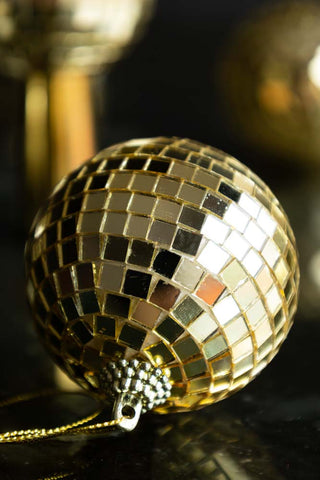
270	430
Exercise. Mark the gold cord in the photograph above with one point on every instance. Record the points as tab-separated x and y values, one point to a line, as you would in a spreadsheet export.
77	427
57	476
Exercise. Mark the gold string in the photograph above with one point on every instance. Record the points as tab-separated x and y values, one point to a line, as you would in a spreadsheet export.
32	434
57	476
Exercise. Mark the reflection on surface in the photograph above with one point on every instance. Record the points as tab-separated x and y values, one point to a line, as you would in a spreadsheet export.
269	431
217	448
212	445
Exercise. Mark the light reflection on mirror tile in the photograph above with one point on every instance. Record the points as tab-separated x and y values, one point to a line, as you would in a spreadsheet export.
115	223
214	229
262	332
111	277
226	309
182	171
200	384
195	368
167	187
213	257
208	179
256	312
210	289
254	235
121	180
191	194
91	222
236	330
243	366
236	245
188	274
95	201
246	294
236	217
242	348
202	327
273	299
142	204
161	232
187	311
164	295
167	210
146	314
138	226
252	262
270	253
250	205
221	366
266	222
143	182
280	240
264	280
265	349
119	201
233	274
214	347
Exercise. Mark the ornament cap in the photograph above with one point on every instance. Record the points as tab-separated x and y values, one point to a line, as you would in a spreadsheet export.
136	387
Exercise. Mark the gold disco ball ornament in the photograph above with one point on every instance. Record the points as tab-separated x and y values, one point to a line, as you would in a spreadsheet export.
162	268
270	81
75	33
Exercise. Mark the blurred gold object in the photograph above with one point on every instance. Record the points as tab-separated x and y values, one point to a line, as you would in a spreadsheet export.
165	251
85	34
59	128
270	81
57	45
73	134
37	148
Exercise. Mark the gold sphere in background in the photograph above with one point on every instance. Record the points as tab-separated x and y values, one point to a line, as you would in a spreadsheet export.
270	81
164	250
74	33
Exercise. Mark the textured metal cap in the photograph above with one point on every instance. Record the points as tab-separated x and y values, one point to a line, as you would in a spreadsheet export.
137	388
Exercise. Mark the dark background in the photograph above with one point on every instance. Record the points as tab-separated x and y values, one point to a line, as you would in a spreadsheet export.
165	86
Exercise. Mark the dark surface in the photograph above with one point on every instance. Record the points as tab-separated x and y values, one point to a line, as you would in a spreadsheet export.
270	430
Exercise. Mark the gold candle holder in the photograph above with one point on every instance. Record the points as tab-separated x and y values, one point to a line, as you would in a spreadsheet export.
58	46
